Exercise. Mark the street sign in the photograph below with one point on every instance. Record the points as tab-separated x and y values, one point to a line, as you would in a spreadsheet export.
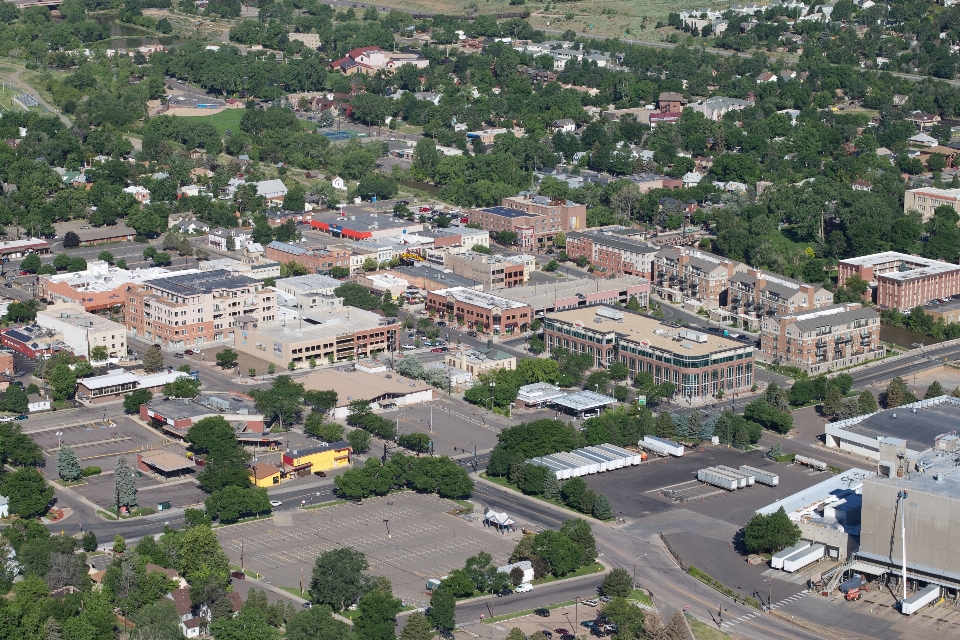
642	401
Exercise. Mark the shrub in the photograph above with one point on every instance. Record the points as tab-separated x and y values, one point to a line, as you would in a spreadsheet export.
90	471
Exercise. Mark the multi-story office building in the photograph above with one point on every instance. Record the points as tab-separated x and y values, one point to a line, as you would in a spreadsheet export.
481	310
902	281
100	286
82	331
195	309
318	259
682	273
822	339
535	219
755	294
613	253
699	364
494	271
927	199
342	333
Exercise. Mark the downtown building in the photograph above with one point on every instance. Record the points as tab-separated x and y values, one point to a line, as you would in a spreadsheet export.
613	253
902	281
699	364
535	219
182	311
824	339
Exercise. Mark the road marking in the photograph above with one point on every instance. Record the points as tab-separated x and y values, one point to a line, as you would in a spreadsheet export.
106	455
671	486
89	444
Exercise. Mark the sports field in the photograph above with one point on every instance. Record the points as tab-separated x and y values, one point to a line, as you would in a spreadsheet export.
230	119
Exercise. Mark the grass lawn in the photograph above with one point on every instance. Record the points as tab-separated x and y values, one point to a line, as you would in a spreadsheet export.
520	614
641	596
230	119
703	631
296	591
596	567
503	482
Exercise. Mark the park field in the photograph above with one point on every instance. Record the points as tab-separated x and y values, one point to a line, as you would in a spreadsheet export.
230	119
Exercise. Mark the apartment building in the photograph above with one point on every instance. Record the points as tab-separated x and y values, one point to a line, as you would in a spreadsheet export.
755	294
82	331
819	340
329	334
902	281
318	259
480	310
699	364
682	273
612	253
535	219
544	299
100	286
493	271
927	199
186	310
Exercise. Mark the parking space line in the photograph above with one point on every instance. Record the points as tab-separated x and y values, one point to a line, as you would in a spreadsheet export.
671	486
107	455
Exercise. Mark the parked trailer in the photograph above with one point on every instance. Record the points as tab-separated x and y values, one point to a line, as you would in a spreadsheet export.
710	476
738	472
613	460
763	477
662	445
776	561
920	599
629	457
819	465
589	466
739	479
801	559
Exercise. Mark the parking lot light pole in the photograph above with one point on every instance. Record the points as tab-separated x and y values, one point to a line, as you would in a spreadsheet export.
59	433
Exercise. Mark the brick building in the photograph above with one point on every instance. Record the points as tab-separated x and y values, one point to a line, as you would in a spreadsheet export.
822	339
187	310
318	259
493	271
477	309
699	364
902	281
755	294
100	286
927	199
535	219
671	102
681	273
613	253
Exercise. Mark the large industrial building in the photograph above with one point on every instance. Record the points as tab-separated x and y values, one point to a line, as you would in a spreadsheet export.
902	281
699	364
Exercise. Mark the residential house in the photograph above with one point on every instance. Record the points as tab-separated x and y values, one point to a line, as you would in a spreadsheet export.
369	60
139	194
766	77
565	125
671	102
862	185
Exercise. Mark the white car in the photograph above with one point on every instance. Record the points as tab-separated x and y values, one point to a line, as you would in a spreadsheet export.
275	503
523	588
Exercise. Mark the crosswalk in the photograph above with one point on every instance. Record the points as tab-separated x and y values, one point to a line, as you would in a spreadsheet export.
777	605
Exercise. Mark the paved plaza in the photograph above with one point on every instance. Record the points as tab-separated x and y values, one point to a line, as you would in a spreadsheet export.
424	541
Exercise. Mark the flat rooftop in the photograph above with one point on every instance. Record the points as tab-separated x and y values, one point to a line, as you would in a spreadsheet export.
507	212
830	490
100	277
479	298
321	323
308	283
915	265
82	319
918	429
542	296
203	282
367	221
648	331
436	274
179	409
948	485
359	385
584	400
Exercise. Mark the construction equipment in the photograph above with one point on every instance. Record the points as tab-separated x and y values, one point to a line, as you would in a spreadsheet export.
854	588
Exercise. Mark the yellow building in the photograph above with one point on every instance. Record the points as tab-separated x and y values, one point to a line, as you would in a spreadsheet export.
264	475
300	462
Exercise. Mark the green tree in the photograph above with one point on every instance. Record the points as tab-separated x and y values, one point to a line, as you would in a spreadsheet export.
68	468
153	359
133	400
933	391
28	493
617	584
249	624
628	618
338	580
317	623
831	404
551	486
572	491
601	508
64	382
119	544
125	491
359	440
227	358
665	427
442	612
898	394
378	616
770	534
89	541
867	403
316	426
31	263
200	560
106	256
416	627
16	399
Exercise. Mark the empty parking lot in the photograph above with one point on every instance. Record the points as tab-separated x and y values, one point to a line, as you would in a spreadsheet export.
424	541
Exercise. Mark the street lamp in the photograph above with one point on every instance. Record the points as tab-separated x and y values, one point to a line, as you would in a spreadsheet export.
492	386
59	433
386	522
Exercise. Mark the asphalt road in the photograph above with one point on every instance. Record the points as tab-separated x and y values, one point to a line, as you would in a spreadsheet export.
541	596
928	358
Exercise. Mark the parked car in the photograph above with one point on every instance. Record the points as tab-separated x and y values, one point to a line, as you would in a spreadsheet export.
403	202
22	417
605	598
178	354
408	347
561	631
543	613
437	350
306	605
597	631
238	575
505	592
472	334
24	273
590	603
523	588
320	473
275	503
441	323
425	209
189	352
8	285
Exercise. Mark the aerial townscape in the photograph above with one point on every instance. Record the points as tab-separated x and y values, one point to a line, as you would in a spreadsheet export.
509	320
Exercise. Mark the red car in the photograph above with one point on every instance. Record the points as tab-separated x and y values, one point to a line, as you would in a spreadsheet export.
24	273
425	209
561	631
437	350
